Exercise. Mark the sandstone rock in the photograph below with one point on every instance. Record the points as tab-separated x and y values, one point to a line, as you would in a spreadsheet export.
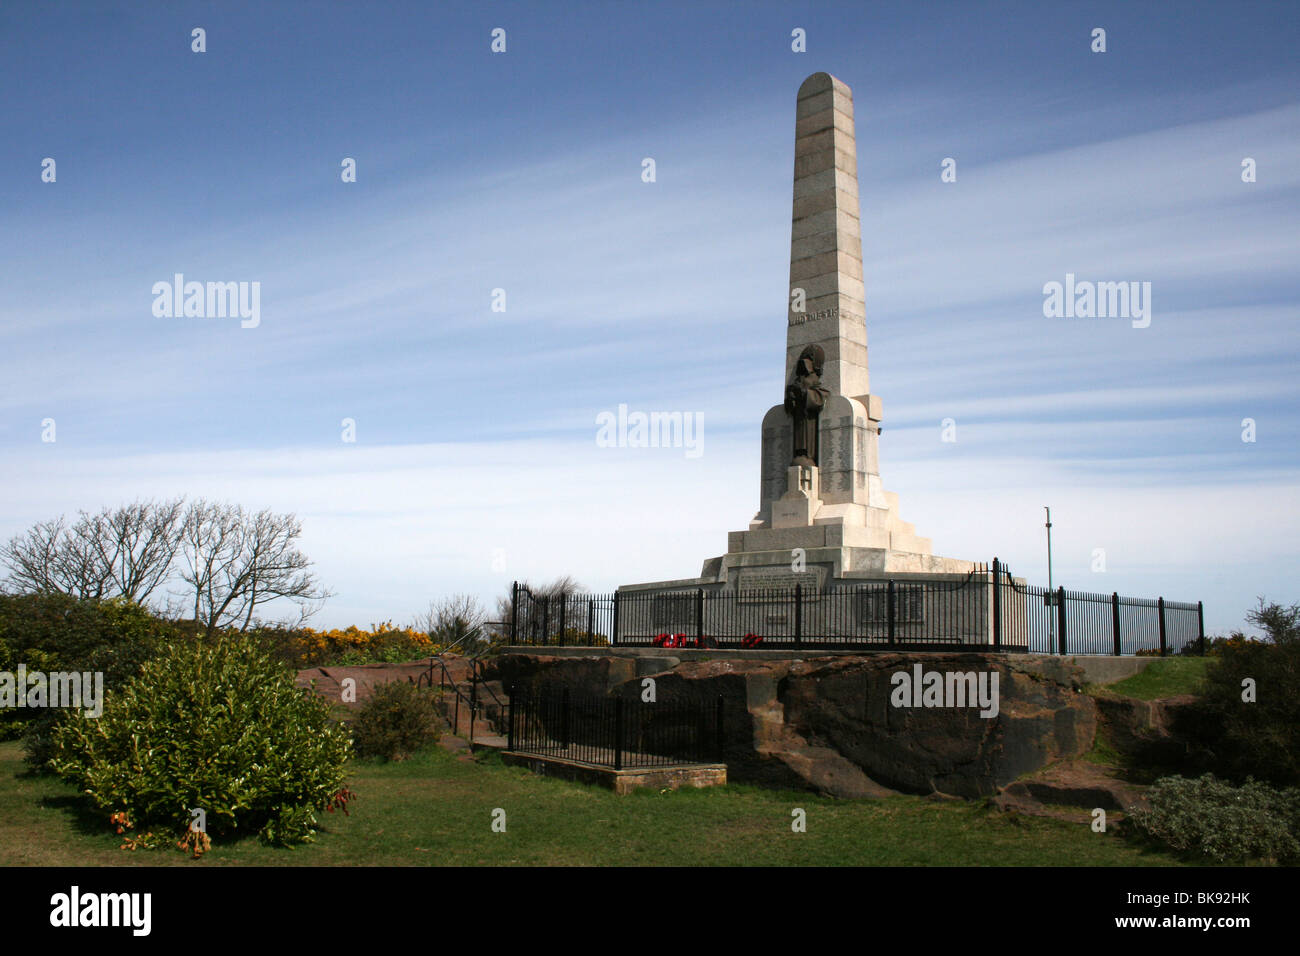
1149	732
329	680
1072	784
585	675
844	703
826	723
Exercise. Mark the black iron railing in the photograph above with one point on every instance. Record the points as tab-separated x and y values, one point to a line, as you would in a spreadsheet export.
469	703
986	609
614	732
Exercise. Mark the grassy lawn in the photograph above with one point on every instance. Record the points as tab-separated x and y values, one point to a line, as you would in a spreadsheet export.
1170	677
436	810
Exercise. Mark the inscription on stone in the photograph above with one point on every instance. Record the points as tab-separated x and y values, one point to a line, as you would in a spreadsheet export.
776	585
672	610
799	318
873	606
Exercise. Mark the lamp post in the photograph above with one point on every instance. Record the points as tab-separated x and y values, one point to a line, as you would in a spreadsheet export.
1052	594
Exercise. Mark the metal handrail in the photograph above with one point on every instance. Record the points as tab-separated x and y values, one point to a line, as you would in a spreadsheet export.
471	701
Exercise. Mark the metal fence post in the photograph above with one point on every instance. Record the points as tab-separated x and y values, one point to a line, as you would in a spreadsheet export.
1114	621
700	752
997	605
699	617
798	615
718	749
613	631
564	719
1060	619
564	617
473	702
510	720
514	613
1200	624
591	622
546	621
889	594
618	733
1164	646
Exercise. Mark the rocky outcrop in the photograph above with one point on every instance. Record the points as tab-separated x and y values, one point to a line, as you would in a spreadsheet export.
586	675
1075	784
1155	733
831	724
328	681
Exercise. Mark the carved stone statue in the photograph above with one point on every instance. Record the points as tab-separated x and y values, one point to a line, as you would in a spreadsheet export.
805	397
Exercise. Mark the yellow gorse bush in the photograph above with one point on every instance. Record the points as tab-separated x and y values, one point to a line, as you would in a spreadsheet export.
383	641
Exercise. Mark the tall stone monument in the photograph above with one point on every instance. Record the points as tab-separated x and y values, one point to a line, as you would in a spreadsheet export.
823	513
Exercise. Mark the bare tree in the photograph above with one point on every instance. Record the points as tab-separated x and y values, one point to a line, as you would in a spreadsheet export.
233	562
132	546
32	559
117	552
453	621
553	591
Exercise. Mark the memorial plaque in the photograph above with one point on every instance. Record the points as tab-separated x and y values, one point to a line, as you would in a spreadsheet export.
776	585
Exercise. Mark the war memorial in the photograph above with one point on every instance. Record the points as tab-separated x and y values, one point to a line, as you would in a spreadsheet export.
827	560
824	519
829	648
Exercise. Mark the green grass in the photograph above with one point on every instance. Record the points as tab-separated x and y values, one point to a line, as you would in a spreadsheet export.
1170	677
1103	752
437	810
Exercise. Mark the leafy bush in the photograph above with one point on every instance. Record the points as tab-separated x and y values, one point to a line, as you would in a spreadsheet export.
1214	646
384	643
1207	817
397	720
573	637
56	627
1236	737
1259	738
118	663
214	725
55	632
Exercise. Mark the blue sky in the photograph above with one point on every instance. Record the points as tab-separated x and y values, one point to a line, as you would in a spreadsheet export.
522	171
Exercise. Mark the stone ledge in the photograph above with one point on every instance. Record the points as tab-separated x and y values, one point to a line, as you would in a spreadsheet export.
622	782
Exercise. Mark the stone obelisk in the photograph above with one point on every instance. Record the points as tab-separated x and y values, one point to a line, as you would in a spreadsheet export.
826	306
838	509
824	515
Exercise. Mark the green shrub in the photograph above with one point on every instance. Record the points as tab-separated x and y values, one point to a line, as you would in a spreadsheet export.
397	720
60	628
1237	738
573	637
1209	818
55	632
119	663
214	725
1259	738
